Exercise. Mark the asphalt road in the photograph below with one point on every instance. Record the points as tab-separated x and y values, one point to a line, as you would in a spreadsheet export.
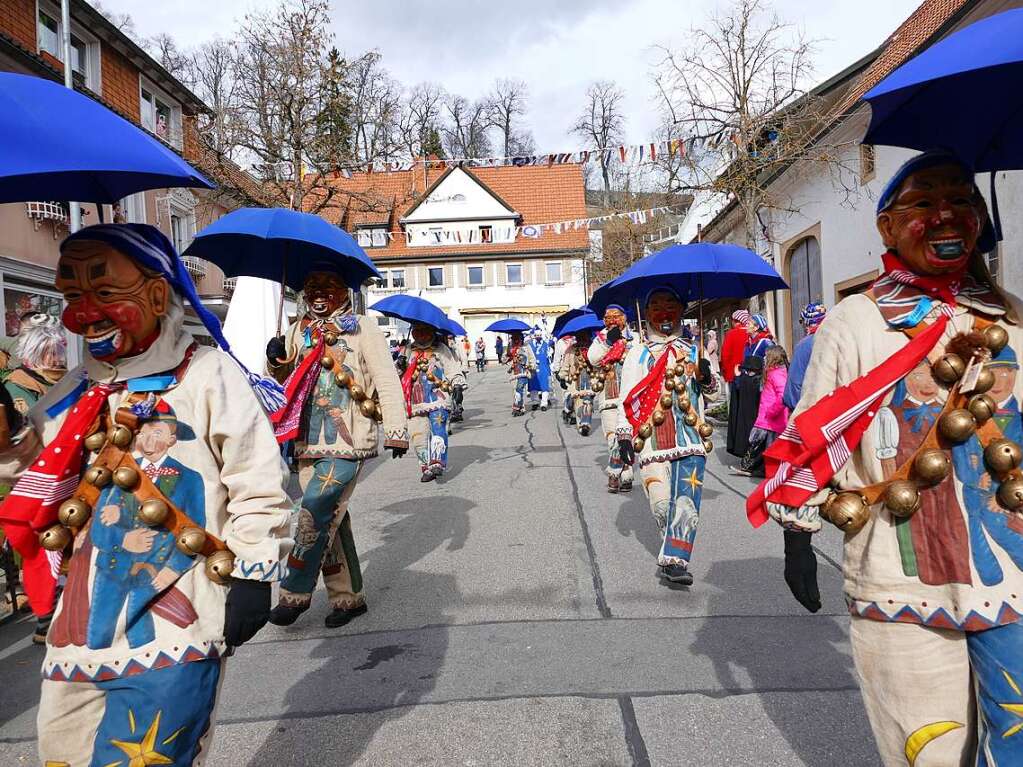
516	619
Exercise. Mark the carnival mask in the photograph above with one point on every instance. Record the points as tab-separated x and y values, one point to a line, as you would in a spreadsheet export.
111	302
935	220
664	311
614	317
423	334
325	293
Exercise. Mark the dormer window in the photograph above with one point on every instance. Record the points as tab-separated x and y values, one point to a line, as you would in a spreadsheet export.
372	236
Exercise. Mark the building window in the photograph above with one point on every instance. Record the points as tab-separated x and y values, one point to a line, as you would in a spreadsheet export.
513	273
179	232
486	234
554	273
436	235
435	277
133	208
160	115
372	237
84	47
398	278
867	163
382	282
475	276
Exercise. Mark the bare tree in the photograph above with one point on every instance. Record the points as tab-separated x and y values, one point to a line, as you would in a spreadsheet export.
212	72
421	118
123	21
736	94
376	104
465	134
165	50
508	101
602	125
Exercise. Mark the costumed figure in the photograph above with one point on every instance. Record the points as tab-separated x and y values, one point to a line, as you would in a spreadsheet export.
340	384
458	383
583	381
607	354
562	348
661	428
152	477
540	381
522	365
811	317
433	374
907	438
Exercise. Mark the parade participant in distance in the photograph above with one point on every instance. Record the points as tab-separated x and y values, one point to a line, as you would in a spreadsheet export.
481	355
540	381
433	374
177	526
582	381
562	347
458	384
897	440
661	427
499	348
340	383
521	366
607	354
733	349
42	353
811	317
747	386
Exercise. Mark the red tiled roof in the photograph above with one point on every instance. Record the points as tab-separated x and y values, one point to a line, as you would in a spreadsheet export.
540	194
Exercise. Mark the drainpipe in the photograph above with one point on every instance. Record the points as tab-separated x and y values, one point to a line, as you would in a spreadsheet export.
74	208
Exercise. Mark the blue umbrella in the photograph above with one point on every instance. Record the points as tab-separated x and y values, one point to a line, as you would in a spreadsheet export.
581	323
962	94
413	309
61	145
281	245
698	271
571	314
509	325
456	329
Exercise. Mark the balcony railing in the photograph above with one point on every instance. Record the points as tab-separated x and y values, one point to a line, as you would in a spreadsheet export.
230	283
195	267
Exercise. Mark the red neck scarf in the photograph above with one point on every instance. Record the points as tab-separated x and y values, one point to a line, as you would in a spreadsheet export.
639	403
944	287
296	392
409	377
615	354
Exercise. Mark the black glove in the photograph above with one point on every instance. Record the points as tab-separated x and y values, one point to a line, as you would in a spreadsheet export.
614	334
564	383
801	569
14	418
704	376
397	452
247	610
276	350
626	451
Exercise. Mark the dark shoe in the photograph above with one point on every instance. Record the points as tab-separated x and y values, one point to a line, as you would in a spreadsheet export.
543	408
566	416
428	476
339	617
612	485
625	487
677	573
535	406
572	420
285	615
517	413
584	430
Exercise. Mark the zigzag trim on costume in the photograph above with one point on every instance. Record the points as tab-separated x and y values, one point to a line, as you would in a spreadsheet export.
268	572
936	618
672	454
101	672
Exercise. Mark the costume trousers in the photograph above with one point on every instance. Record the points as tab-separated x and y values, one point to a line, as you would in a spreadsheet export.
545	397
583	411
674	489
519	403
615	467
937	697
323	540
162	716
429	435
569	403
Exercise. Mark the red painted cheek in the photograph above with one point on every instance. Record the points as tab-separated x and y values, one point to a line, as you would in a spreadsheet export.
126	316
916	228
80	314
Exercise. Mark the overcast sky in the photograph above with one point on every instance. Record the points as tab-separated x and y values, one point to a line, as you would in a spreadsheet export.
557	48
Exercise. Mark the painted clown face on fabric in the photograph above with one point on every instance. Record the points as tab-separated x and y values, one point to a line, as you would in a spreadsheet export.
155	438
422	334
935	220
613	318
112	303
664	311
325	293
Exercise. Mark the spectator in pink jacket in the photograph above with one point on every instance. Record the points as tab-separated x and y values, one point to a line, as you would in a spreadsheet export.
772	415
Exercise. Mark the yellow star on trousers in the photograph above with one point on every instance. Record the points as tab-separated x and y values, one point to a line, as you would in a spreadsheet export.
1013	708
142	754
328	479
693	481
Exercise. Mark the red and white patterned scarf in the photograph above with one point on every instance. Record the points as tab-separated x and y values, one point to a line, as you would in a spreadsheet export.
640	402
297	388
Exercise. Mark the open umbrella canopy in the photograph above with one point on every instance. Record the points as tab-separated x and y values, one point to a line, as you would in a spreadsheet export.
962	94
509	325
456	329
698	271
571	314
581	323
276	243
62	145
413	309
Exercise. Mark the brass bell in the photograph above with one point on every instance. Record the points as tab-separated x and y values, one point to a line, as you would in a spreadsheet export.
330	339
680	386
705	430
357	392
638	443
646	430
985	381
598	385
191	540
982	407
902	498
683	402
343	379
846	511
680	369
154	511
1002	456
996	337
219	566
708	446
368	408
96	441
658	417
957	425
326	362
55	538
121	436
666	400
126	477
691	418
74	512
1010	493
931	466
949	368
99	476
669	384
378	415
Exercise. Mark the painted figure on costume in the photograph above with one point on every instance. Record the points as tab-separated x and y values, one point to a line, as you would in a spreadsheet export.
582	381
340	383
155	469
521	366
432	375
931	500
564	347
661	427
540	381
607	353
